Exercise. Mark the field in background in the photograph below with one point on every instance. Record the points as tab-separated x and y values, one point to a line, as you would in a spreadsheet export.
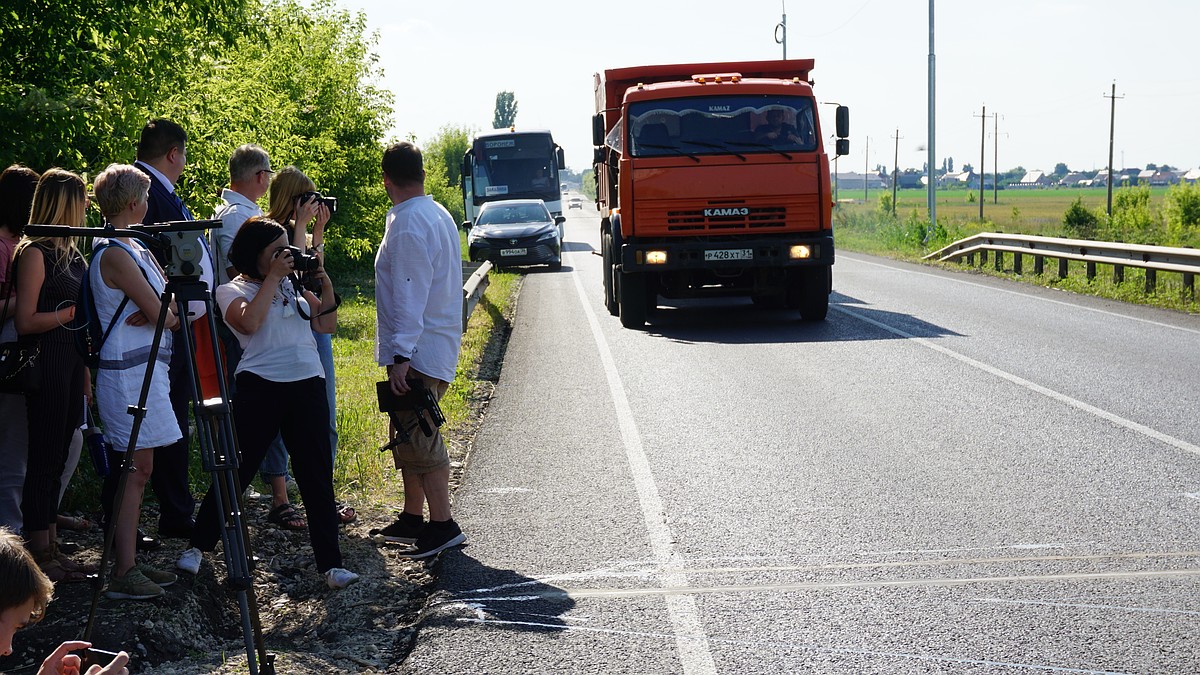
1037	211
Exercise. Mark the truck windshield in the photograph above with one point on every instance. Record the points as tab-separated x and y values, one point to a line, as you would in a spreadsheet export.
515	166
722	125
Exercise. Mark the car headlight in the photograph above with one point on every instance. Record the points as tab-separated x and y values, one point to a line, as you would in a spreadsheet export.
552	233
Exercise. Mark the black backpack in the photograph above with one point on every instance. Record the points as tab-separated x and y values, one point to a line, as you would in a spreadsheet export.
85	327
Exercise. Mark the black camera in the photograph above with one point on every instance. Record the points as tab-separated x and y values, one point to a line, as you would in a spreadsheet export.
331	202
303	262
419	399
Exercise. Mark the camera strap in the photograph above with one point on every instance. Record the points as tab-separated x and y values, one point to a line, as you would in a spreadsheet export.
337	302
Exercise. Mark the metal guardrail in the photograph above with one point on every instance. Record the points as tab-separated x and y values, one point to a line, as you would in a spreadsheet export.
1153	259
475	282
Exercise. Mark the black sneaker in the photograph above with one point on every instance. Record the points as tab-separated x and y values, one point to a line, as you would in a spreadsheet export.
435	538
404	531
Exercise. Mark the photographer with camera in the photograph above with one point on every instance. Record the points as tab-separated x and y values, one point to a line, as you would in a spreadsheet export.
280	384
418	330
295	204
127	284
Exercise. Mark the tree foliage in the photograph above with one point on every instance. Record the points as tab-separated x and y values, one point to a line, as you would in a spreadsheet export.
78	80
450	143
1079	221
506	110
1181	210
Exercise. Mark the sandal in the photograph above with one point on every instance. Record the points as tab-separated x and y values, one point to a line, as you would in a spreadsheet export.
53	568
65	522
70	565
287	517
346	513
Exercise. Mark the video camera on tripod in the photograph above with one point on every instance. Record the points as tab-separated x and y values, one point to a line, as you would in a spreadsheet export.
419	399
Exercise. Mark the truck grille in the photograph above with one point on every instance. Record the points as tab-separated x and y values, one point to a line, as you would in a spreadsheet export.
691	220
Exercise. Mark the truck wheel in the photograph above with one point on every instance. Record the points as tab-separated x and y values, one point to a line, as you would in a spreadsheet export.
610	294
809	292
631	294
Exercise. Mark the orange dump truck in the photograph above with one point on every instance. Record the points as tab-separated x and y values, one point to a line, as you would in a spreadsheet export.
712	180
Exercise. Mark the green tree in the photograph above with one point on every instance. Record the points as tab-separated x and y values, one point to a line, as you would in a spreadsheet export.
589	183
1133	220
1182	212
1061	170
450	143
506	110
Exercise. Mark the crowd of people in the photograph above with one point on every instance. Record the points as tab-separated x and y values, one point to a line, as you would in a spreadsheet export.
274	338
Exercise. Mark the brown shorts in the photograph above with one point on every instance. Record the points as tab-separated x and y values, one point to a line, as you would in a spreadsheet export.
422	454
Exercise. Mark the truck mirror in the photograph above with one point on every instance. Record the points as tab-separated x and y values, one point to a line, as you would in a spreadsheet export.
558	154
466	163
598	156
843	122
598	129
843	146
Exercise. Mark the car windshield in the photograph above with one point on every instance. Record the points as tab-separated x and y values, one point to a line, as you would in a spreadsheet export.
504	214
722	125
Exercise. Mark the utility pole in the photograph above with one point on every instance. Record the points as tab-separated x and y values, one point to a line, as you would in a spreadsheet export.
1112	125
982	139
781	30
931	189
866	161
895	169
995	160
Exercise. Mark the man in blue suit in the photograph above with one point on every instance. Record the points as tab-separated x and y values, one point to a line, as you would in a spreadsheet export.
162	154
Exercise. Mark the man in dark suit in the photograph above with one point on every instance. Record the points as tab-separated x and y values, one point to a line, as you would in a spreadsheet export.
162	154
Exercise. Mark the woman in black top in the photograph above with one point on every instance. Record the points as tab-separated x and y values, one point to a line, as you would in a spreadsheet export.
48	273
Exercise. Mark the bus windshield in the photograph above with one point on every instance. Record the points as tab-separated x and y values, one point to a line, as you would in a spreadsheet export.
515	166
722	125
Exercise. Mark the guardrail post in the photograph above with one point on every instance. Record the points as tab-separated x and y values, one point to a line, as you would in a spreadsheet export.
1017	264
999	261
1091	270
970	258
1189	286
1118	274
1039	265
1151	280
982	258
1062	268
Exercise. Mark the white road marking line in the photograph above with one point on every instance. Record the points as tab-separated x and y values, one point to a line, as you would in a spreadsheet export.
779	644
1025	295
694	653
1032	386
1147	610
577	593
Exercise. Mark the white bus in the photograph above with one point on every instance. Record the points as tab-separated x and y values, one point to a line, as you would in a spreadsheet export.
510	164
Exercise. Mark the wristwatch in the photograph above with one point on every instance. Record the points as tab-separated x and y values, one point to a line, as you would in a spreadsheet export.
397	359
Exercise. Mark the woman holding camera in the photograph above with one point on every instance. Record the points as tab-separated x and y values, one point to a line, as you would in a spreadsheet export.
127	284
295	204
48	271
280	384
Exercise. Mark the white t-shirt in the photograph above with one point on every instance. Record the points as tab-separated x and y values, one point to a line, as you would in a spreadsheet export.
283	348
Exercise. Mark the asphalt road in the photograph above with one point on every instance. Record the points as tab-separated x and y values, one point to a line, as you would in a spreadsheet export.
951	474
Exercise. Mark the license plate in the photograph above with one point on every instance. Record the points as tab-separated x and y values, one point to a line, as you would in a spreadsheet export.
513	251
730	254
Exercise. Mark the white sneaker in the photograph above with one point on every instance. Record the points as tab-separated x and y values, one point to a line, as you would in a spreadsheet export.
336	577
190	561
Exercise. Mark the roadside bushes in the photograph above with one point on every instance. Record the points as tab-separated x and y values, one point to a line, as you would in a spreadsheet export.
1135	220
1079	222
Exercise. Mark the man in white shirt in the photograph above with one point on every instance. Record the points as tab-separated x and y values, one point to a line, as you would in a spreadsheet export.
418	330
249	178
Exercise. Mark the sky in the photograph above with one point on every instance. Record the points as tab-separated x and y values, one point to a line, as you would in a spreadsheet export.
1044	66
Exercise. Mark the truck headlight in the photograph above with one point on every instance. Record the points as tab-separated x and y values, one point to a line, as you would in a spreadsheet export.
656	257
801	252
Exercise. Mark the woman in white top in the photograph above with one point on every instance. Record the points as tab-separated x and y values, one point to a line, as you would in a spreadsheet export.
127	285
280	386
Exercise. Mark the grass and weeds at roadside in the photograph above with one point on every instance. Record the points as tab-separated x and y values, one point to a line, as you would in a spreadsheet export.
1162	217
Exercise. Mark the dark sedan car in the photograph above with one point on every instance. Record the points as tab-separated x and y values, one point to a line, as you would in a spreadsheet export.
517	232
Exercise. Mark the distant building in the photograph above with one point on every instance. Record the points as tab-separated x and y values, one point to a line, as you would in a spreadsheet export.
854	181
1033	180
1190	176
1076	179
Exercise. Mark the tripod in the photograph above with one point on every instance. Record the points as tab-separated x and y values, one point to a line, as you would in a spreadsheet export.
214	428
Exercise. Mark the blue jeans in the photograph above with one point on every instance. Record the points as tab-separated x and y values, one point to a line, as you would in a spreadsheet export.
276	461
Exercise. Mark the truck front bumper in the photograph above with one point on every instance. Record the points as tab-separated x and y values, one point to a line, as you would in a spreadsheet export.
800	250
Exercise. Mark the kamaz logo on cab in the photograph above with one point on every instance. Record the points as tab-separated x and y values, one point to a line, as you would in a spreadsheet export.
710	213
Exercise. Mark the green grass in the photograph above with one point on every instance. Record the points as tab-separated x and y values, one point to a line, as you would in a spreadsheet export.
862	228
